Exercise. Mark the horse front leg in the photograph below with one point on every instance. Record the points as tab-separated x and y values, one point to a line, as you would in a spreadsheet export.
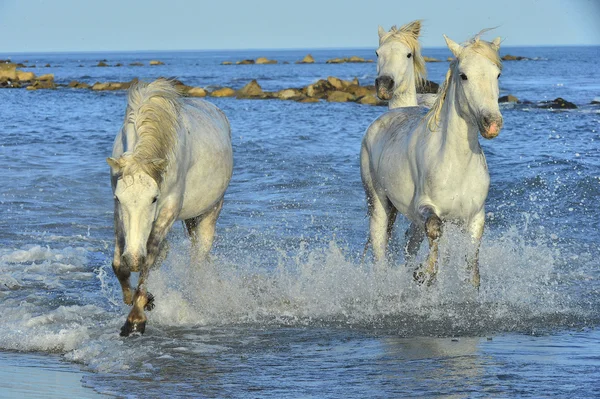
476	230
381	222
142	299
433	229
121	270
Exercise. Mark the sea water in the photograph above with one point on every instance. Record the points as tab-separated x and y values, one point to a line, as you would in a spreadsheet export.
287	308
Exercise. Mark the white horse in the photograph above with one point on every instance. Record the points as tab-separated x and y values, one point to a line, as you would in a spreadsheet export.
172	160
400	66
431	167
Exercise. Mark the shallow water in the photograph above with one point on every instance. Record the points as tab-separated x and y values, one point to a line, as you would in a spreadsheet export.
287	309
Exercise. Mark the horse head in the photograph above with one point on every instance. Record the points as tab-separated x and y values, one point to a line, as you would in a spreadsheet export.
400	65
136	196
475	74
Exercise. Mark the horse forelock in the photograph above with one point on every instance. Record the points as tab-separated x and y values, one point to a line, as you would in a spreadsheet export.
153	110
409	35
477	45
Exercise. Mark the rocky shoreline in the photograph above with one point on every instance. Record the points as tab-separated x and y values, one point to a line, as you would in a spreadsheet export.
332	89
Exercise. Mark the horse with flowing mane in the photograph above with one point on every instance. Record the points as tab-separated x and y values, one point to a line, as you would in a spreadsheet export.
172	160
400	66
431	167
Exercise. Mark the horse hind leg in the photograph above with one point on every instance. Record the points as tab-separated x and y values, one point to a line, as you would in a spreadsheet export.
201	230
414	237
433	229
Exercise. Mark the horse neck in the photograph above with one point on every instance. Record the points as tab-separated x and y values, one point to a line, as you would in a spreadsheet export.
405	95
404	98
457	133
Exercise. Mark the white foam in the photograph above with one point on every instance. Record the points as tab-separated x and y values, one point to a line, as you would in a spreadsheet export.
307	286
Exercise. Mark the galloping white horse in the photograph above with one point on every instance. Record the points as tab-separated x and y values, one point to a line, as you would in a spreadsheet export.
172	160
400	65
431	168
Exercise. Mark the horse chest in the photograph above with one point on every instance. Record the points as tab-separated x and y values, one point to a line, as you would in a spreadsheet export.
458	190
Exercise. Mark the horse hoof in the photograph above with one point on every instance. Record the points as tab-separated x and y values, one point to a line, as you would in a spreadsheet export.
132	328
422	277
150	304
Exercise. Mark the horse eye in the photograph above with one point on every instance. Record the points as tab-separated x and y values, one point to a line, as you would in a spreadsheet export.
154	200
499	75
409	55
463	76
376	54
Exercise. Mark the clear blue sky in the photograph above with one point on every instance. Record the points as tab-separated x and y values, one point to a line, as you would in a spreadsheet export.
99	25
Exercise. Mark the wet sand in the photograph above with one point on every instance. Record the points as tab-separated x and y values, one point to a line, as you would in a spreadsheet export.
24	375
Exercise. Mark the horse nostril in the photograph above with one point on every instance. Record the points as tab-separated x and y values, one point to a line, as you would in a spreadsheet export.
384	82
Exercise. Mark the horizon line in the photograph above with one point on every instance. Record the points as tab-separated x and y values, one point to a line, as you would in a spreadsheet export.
2	52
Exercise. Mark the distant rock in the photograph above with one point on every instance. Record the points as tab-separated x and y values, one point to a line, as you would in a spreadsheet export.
335	61
226	63
340	97
308	59
337	83
428	87
263	60
449	59
47	66
251	90
353	59
48	76
558	103
102	64
74	84
508	99
431	59
509	57
289	94
319	89
156	62
136	64
596	100
360	91
24	76
8	71
245	62
196	92
223	92
42	84
118	64
112	86
370	99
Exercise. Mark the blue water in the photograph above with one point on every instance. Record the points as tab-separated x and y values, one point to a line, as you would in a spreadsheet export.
287	308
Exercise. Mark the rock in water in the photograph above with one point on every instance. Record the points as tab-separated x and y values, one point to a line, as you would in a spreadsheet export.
251	90
264	60
306	60
558	103
508	99
223	92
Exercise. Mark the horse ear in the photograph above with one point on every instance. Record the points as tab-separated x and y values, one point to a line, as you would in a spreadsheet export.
114	164
496	43
381	31
453	46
